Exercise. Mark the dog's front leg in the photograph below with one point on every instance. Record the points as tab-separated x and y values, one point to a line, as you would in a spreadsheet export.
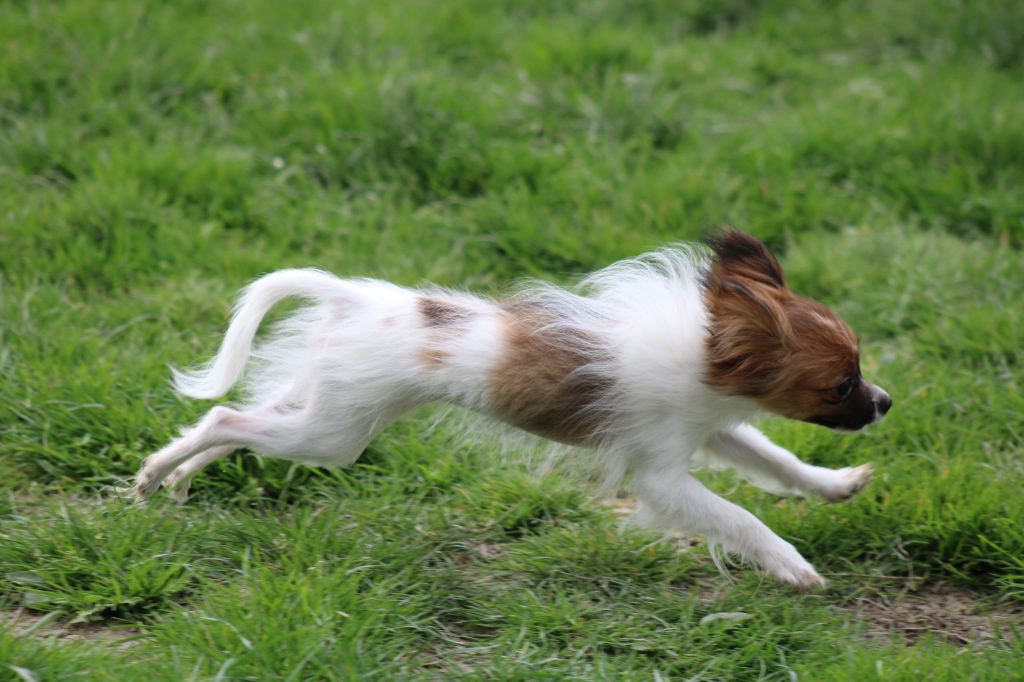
672	498
778	470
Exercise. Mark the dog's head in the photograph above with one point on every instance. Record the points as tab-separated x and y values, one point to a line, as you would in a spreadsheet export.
792	355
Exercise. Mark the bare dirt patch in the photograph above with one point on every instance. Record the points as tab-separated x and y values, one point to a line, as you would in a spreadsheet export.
620	506
26	623
958	616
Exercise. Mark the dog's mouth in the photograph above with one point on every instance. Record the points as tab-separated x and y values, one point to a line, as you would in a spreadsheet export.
839	425
847	425
860	414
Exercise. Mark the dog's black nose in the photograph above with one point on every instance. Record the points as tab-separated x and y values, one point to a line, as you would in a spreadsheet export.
883	403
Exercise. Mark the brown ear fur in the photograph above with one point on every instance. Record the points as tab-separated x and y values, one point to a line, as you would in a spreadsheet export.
745	290
745	352
740	256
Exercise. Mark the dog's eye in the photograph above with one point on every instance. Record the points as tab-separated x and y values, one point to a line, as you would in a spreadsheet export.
843	389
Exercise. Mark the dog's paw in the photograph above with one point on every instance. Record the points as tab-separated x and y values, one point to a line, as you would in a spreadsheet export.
177	487
847	482
127	493
146	483
791	568
132	494
804	579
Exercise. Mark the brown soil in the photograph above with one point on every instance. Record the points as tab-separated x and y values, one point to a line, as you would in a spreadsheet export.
621	506
955	615
21	622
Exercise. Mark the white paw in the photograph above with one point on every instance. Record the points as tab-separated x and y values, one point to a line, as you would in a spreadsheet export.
846	482
789	567
128	494
146	483
177	487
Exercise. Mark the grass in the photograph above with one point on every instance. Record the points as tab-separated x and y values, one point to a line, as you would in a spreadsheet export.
155	156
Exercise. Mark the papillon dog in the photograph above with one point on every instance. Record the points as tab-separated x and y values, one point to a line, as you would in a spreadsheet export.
656	363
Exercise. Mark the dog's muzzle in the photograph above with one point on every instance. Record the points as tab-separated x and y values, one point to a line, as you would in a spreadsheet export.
882	402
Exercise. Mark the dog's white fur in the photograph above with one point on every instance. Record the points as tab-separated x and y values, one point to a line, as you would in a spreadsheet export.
336	372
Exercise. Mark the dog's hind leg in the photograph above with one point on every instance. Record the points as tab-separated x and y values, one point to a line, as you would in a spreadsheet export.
303	435
778	470
265	428
221	426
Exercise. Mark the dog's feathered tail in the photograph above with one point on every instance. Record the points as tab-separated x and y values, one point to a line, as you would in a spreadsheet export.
223	371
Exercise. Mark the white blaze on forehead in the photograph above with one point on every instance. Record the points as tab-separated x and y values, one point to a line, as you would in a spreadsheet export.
833	325
830	321
826	320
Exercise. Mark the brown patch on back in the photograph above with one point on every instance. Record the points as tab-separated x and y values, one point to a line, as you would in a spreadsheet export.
443	320
539	385
438	313
434	357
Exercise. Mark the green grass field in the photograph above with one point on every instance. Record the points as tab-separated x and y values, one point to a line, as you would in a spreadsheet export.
155	156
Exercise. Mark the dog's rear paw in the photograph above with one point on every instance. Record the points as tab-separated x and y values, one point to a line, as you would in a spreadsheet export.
132	493
847	482
178	487
146	483
127	493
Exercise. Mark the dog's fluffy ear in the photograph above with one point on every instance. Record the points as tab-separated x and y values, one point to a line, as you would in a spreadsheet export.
741	257
745	292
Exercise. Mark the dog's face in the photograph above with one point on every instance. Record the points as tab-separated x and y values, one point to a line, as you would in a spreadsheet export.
792	355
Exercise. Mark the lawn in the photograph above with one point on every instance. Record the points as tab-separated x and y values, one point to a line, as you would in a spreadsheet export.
155	156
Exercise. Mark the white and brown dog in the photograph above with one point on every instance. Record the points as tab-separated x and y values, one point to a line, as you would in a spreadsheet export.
657	363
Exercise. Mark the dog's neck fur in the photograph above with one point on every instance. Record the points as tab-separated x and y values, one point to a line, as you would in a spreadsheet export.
581	370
